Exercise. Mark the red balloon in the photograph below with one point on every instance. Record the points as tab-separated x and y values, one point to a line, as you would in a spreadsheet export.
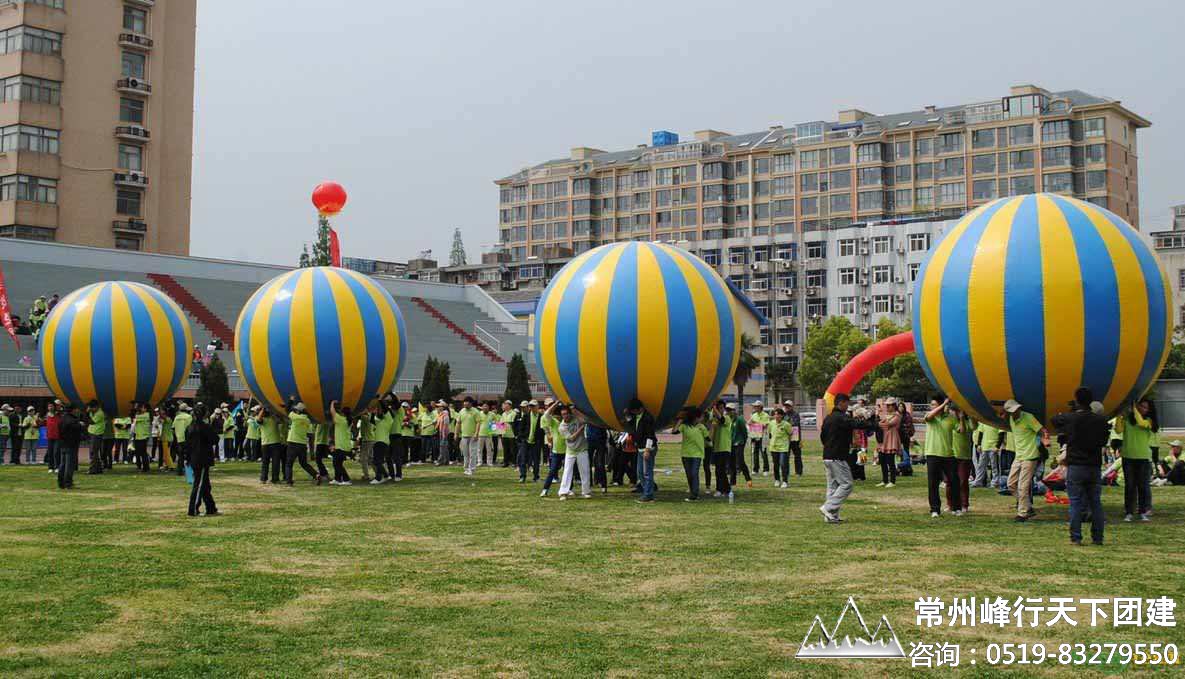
329	198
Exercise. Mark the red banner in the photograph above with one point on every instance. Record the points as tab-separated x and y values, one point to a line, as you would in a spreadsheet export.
335	248
6	312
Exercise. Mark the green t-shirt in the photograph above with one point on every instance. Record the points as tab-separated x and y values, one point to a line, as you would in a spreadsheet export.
427	423
559	445
407	423
722	438
508	418
779	436
166	429
1025	429
321	434
483	424
467	421
181	425
533	426
228	427
382	428
98	423
761	418
1136	440
142	425
298	428
938	436
269	431
5	428
986	436
32	431
693	440
342	440
252	429
961	442
123	428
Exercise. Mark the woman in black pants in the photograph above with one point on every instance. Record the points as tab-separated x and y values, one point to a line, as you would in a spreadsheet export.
202	439
890	427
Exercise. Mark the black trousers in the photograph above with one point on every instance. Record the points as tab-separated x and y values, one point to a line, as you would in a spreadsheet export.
67	463
108	446
722	461
398	456
760	454
121	451
142	459
379	459
888	467
271	462
16	449
297	452
738	461
940	469
158	450
623	467
320	454
796	451
200	493
339	466
96	465
599	453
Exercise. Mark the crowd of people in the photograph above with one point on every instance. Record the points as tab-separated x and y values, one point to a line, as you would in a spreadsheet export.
1083	452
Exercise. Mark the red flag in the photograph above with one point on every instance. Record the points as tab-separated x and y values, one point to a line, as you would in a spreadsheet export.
6	312
335	248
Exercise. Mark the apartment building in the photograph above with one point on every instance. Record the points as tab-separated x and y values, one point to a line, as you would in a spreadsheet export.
800	216
96	122
1170	250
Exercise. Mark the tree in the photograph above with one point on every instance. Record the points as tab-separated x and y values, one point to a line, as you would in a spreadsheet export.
780	378
518	383
1174	367
435	383
214	388
829	346
457	256
320	253
746	364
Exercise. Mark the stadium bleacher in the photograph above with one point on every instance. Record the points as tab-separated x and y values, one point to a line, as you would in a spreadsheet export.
223	288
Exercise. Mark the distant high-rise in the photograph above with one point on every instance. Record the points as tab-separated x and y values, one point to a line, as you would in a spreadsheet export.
96	112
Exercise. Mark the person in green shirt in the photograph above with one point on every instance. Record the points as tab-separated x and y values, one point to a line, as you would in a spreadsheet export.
380	434
532	446
780	433
181	424
940	458
720	425
408	442
740	438
467	421
230	450
758	422
961	447
321	440
6	431
1026	432
429	440
559	447
364	424
692	448
985	458
123	434
31	426
98	424
341	444
487	451
510	415
1137	427
271	444
141	432
298	443
252	438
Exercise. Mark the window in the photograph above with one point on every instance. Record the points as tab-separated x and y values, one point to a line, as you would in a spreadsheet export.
1096	153
30	89
868	176
711	257
1020	135
983	139
809	182
1096	180
761	188
135	20
1022	185
847	276
713	171
847	305
1057	182
558	230
870	200
919	242
52	4
808	160
1055	130
903	199
952	194
583	206
1023	106
135	65
868	153
841	202
840	155
24	187
816	309
689	217
950	167
881	304
581	186
816	278
740	168
713	193
782	209
983	189
738	256
903	173
847	247
29	39
924	147
29	138
1101	201
39	233
808	131
131	157
913	272
951	142
761	165
1058	156
902	148
809	205
882	245
841	179
713	215
1094	127
127	243
662	198
924	197
984	164
923	171
1020	160
783	186
760	211
787	307
882	274
816	250
783	162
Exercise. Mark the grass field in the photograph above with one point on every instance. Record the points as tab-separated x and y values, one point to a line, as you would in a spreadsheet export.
447	575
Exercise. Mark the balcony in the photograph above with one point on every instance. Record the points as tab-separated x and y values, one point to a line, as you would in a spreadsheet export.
134	226
135	180
135	41
133	86
132	133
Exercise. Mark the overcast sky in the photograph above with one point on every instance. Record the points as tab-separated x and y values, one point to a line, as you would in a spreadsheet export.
416	107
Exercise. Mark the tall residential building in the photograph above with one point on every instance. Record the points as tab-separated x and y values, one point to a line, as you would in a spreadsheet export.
1170	250
824	217
96	111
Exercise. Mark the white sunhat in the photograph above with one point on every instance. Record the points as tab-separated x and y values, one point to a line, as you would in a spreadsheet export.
1011	405
405	404
524	404
757	404
1097	407
730	406
533	402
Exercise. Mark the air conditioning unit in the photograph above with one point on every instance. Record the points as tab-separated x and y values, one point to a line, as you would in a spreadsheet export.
899	308
786	291
864	239
864	280
865	326
787	348
899	279
753	266
812	292
864	311
863	252
866	300
899	298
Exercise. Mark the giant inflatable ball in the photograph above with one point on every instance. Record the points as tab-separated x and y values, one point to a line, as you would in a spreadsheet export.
1029	297
319	335
636	320
115	343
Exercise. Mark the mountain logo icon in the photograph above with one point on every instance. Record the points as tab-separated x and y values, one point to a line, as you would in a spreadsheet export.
820	642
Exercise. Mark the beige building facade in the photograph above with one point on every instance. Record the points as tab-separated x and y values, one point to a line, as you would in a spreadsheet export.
96	122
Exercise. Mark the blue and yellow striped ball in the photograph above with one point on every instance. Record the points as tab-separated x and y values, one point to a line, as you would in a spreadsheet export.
320	334
115	343
1032	296
640	320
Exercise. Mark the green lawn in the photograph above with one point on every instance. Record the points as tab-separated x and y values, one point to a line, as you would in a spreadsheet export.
448	575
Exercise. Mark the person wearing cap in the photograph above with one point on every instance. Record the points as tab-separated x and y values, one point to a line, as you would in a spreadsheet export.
31	430
639	425
836	435
484	441
70	433
181	425
230	449
720	425
429	436
758	423
53	415
988	441
571	430
16	435
96	421
1026	434
510	415
740	437
1137	428
795	421
780	432
251	435
5	429
522	430
202	438
940	457
141	432
468	422
555	461
889	421
271	453
1087	433
692	449
298	443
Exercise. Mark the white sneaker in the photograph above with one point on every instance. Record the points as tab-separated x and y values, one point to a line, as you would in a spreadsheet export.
785	485
544	493
765	473
828	516
334	483
1146	516
890	485
1127	518
563	497
346	483
376	482
881	484
717	494
586	496
933	515
958	512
